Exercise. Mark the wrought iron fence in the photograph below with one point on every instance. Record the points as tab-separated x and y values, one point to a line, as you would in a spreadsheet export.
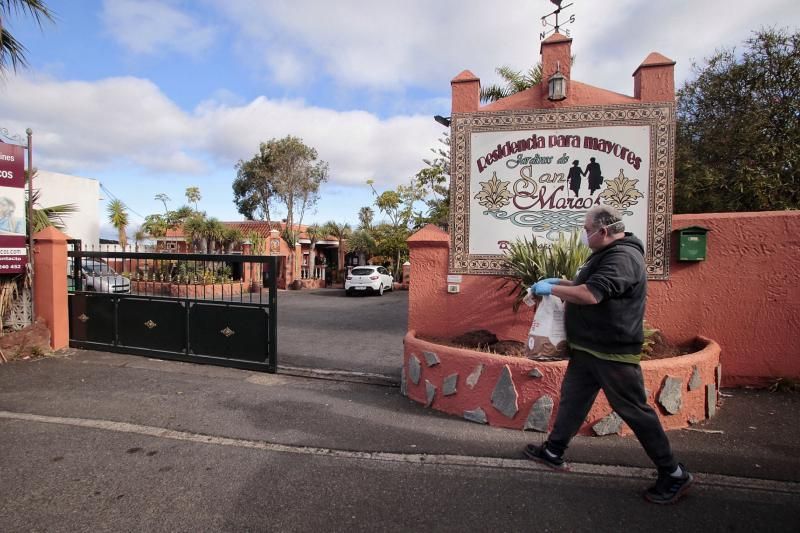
229	277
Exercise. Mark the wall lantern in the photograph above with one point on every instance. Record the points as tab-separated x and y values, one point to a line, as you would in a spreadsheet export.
557	86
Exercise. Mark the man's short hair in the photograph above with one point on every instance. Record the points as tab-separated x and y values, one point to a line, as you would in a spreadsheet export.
606	216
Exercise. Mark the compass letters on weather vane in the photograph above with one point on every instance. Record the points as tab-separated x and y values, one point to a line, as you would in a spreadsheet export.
558	25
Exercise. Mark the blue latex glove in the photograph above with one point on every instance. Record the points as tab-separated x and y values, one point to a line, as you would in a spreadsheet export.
542	288
552	281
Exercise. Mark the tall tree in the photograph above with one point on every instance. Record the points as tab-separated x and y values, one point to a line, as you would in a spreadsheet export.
162	197
434	181
398	206
284	170
253	189
11	50
738	129
118	216
193	196
365	217
138	236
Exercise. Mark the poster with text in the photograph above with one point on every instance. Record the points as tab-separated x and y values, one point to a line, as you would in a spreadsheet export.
13	254
535	175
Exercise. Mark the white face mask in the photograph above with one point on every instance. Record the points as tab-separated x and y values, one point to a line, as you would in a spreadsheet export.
585	236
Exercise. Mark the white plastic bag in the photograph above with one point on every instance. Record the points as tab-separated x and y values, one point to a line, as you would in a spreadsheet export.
547	337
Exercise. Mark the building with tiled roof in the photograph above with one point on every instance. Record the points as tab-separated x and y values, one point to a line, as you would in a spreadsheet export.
326	251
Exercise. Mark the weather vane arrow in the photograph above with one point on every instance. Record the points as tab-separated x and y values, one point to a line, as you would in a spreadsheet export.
557	26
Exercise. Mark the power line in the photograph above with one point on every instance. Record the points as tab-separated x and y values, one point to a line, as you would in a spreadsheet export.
114	197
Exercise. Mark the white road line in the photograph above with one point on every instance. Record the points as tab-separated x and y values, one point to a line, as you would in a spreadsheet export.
584	469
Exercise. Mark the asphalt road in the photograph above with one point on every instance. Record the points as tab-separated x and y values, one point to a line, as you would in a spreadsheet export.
325	329
108	442
96	480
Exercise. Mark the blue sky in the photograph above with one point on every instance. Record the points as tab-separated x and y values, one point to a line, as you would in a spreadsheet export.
155	96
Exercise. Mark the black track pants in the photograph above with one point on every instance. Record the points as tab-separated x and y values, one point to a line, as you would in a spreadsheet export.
623	386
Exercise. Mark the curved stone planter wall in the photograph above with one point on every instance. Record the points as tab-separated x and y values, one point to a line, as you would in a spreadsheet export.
519	393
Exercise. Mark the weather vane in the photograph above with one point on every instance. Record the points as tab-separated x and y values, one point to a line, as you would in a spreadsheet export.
555	27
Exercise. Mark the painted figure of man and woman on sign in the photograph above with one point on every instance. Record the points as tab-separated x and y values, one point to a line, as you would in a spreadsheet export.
576	173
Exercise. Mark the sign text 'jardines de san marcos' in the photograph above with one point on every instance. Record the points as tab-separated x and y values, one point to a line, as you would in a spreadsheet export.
537	174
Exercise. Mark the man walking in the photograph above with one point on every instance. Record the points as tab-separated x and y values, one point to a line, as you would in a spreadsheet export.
603	319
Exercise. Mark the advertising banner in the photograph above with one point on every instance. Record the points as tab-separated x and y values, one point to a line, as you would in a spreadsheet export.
535	175
13	254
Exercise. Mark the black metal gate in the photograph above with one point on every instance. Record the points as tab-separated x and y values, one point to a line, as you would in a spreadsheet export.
201	308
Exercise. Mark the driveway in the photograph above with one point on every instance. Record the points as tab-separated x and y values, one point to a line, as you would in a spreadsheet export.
327	330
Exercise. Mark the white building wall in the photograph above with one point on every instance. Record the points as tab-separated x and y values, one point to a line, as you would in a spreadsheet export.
56	189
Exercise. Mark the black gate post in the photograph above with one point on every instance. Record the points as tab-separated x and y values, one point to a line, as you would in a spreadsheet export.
272	363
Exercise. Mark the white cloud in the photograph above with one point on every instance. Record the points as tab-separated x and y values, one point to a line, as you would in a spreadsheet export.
418	43
286	67
115	122
611	39
78	124
150	27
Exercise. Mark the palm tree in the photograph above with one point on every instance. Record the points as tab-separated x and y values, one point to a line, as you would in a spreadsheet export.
314	233
365	217
193	232
193	195
44	217
230	237
118	217
11	50
341	232
213	232
515	82
138	236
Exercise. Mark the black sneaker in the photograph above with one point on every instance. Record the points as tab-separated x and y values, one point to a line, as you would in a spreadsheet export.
540	455
669	489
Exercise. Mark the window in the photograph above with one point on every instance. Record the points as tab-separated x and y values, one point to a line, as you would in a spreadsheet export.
363	271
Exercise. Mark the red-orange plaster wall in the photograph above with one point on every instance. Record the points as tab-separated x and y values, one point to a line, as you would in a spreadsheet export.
745	295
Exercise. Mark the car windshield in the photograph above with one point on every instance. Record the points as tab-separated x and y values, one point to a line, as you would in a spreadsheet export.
97	268
363	271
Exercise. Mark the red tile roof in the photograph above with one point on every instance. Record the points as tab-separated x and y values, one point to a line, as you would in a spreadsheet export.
261	227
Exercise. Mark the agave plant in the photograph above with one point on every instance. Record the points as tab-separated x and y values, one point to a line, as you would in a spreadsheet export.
528	262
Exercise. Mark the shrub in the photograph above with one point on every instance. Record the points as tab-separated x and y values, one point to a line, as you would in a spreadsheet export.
529	262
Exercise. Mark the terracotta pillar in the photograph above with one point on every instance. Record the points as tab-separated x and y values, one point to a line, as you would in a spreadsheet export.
50	284
654	79
247	274
406	273
466	93
298	259
428	301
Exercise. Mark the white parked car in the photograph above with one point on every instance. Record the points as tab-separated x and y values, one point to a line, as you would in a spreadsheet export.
97	276
368	278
